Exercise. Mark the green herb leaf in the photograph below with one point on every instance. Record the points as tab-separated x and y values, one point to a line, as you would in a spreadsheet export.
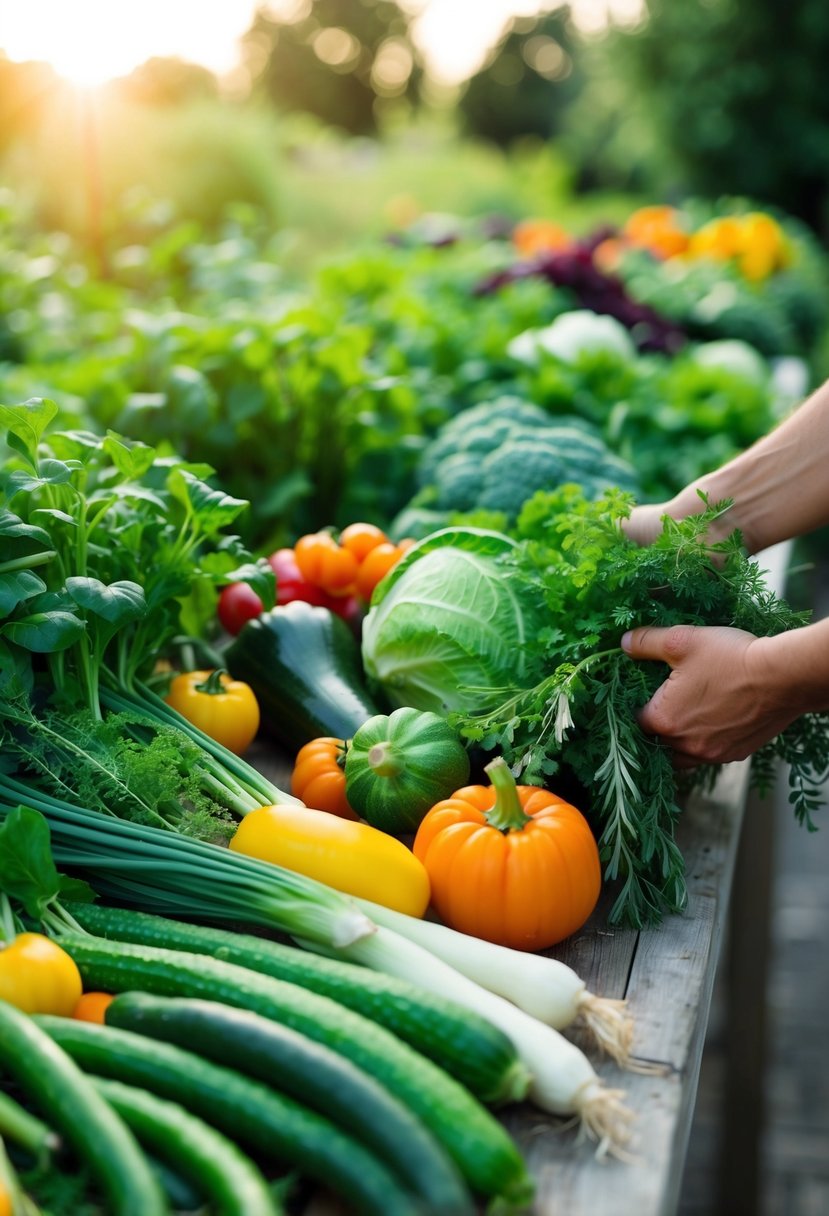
28	422
44	632
115	602
27	871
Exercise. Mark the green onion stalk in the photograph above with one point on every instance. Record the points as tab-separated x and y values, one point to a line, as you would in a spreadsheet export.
164	872
157	868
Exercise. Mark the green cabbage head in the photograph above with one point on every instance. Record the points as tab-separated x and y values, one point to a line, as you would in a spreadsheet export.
449	622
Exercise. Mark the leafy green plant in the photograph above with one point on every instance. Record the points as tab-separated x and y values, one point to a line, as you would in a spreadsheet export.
581	712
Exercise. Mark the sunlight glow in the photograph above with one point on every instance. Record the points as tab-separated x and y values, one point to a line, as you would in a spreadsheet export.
92	41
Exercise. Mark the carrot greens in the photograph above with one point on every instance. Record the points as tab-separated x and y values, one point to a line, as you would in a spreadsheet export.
580	708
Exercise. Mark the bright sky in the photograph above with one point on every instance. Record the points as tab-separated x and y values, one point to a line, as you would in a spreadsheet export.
90	41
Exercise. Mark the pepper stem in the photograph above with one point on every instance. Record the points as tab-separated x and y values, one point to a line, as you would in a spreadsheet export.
383	761
213	684
506	814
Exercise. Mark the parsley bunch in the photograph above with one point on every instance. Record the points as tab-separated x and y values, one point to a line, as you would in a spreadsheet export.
581	711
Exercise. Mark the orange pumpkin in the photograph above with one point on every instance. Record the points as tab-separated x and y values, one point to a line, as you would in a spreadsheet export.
511	864
318	778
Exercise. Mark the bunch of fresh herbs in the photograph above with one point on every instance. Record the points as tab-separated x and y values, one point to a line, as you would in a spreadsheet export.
581	711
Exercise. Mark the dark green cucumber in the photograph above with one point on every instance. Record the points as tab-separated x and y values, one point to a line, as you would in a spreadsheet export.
20	1127
311	1073
253	1115
223	1175
60	1091
303	663
479	1145
461	1042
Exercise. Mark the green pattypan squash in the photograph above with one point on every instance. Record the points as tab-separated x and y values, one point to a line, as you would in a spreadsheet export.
398	766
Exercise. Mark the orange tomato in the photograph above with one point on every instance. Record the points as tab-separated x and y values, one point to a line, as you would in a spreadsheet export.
375	567
360	539
91	1007
318	778
510	864
326	564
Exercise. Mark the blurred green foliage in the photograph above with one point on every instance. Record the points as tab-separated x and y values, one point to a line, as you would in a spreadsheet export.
737	90
314	400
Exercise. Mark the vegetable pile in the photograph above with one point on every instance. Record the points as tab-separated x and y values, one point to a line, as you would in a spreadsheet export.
560	593
424	586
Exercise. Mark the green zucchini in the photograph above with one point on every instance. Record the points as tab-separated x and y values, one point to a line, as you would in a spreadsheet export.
224	1176
303	664
479	1145
276	1128
461	1042
313	1074
60	1091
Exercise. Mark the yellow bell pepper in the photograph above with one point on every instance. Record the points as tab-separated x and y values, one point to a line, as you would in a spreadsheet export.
350	856
38	976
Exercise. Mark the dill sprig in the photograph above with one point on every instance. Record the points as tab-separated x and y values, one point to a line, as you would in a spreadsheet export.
581	710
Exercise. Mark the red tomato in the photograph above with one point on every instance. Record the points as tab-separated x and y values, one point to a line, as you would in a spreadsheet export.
238	603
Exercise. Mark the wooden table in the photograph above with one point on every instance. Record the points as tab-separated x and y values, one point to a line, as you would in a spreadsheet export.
666	974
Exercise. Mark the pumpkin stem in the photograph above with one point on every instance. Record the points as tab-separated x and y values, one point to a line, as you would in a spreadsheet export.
383	761
506	814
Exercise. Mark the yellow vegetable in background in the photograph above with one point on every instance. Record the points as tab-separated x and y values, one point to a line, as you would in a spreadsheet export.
38	976
349	856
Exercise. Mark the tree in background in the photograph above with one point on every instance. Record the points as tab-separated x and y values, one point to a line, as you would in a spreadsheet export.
527	82
168	82
737	90
336	61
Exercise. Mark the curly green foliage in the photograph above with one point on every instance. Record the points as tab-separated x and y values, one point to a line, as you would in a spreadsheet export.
495	456
596	584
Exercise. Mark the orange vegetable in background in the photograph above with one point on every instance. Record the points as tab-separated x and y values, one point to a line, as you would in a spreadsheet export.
325	563
318	778
511	864
360	539
538	236
92	1006
376	566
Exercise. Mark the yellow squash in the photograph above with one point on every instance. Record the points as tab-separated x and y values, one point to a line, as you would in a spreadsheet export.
349	856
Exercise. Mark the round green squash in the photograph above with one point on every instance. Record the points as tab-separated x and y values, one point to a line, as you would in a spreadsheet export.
398	766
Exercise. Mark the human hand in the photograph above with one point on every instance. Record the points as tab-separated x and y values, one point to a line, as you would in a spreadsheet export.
644	523
720	701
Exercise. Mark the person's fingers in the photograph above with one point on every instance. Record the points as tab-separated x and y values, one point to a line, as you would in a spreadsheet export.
657	642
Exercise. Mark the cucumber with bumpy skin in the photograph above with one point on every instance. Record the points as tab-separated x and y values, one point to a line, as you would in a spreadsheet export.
320	1078
252	1114
481	1148
220	1171
465	1045
58	1088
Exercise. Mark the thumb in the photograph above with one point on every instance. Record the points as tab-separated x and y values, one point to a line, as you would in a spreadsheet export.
652	642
